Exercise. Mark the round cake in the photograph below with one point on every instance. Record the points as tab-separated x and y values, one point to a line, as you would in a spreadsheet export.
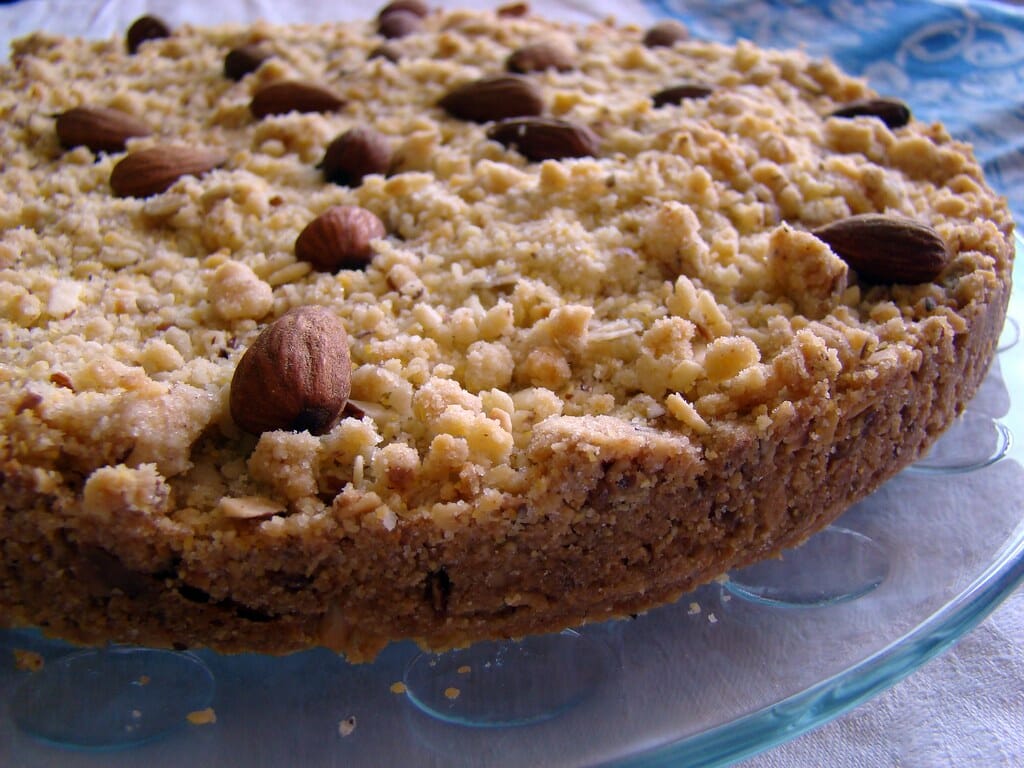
453	325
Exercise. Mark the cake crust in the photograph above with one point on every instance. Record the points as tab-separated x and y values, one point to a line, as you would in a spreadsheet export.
596	358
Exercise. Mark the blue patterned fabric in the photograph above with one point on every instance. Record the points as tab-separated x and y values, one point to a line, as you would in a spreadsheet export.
958	62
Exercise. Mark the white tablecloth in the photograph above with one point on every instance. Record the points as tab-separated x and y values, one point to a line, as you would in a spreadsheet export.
965	707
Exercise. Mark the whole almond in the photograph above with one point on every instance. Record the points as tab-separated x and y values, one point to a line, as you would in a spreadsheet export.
666	34
887	249
540	56
893	112
494	98
415	7
153	170
294	96
354	154
398	23
513	10
98	128
240	61
339	238
546	138
145	28
296	375
676	94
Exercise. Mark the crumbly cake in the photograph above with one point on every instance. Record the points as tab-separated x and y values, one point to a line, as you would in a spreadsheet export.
456	325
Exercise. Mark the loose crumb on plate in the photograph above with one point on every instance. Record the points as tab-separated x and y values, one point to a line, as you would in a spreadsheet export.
347	726
27	660
202	716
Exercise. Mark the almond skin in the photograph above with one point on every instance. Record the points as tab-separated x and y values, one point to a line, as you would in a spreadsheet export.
676	94
354	154
339	238
415	7
887	249
540	56
296	375
893	112
514	10
145	28
98	128
153	170
666	34
493	98
293	96
397	24
546	138
240	61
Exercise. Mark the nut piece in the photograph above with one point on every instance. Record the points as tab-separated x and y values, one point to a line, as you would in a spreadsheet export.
98	128
339	238
677	93
415	7
145	28
887	249
540	56
295	376
354	154
546	138
387	51
893	112
244	59
293	96
493	98
514	10
153	170
666	34
398	23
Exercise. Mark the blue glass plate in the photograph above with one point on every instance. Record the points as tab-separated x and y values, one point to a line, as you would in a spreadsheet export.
726	672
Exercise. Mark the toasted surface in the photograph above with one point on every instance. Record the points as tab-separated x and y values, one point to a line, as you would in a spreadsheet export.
580	386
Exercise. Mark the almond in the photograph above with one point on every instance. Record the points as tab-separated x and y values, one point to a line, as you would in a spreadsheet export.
98	128
145	28
396	24
665	34
676	94
296	375
339	238
514	10
546	138
415	7
354	154
153	170
887	249
893	112
294	96
240	61
540	56
493	98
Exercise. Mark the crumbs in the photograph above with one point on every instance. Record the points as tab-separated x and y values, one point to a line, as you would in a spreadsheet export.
347	726
28	661
202	716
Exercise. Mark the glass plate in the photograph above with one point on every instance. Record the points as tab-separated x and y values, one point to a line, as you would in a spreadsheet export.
728	671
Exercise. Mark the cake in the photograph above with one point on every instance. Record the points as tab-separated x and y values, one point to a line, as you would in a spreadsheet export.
452	325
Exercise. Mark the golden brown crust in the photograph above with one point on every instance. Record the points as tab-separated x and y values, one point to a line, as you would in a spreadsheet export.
580	387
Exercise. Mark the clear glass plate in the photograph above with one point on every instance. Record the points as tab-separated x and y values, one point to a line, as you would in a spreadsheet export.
726	672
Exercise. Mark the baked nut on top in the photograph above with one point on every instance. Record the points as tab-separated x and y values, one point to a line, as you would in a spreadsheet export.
456	325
